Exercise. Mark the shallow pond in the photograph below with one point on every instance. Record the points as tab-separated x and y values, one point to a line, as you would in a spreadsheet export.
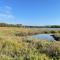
43	36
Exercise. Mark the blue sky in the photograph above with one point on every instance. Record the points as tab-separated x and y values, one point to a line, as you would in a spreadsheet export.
30	12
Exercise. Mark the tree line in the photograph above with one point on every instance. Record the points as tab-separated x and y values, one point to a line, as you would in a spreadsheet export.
26	26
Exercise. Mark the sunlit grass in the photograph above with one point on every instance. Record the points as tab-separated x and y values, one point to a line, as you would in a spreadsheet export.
14	47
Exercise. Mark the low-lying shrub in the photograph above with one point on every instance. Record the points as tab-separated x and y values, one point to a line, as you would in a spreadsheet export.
52	31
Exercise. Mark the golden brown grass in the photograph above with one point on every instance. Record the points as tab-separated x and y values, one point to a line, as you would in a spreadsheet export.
14	47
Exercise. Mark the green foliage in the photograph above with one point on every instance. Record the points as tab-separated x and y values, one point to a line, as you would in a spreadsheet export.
52	31
58	31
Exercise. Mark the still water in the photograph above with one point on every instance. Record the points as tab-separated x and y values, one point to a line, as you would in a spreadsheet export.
43	36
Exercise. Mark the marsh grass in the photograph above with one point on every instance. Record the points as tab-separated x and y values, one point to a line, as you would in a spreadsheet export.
21	48
14	47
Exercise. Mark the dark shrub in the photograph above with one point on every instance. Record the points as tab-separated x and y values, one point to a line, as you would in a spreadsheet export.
58	31
45	32
52	31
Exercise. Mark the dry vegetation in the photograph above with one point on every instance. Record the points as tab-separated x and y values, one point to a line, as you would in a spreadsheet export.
16	47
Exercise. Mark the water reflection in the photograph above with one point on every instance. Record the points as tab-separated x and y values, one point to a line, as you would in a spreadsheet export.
43	36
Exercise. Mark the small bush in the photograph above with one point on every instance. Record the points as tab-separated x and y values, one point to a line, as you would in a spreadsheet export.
58	31
45	32
52	31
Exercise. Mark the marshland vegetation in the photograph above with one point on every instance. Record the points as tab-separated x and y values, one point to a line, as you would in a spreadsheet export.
14	45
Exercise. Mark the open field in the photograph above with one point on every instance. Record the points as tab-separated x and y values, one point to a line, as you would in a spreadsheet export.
15	46
16	31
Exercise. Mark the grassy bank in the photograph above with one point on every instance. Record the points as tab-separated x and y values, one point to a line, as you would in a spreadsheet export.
16	48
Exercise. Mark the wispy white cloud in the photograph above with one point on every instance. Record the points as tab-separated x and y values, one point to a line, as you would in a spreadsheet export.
6	13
